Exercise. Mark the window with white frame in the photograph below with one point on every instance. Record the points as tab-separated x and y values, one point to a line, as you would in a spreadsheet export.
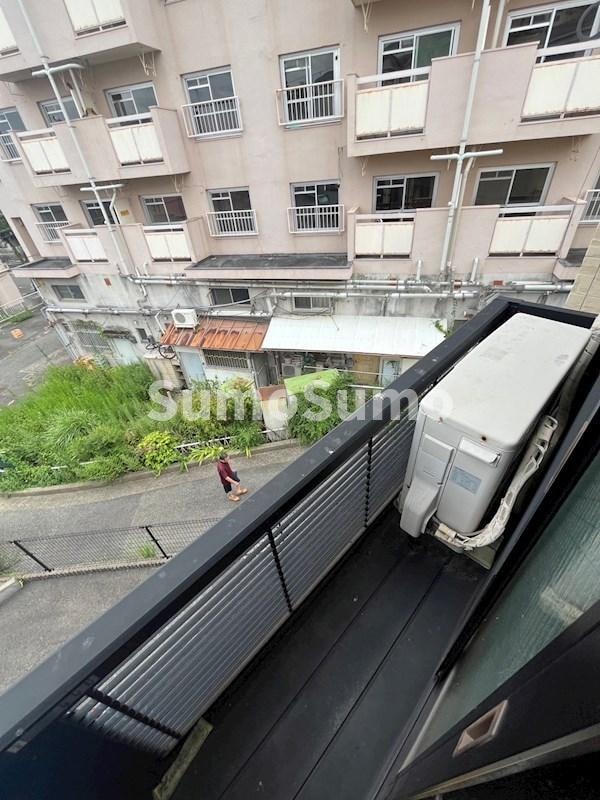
52	112
415	50
8	44
227	297
213	106
312	303
134	100
316	206
311	85
226	359
50	216
512	186
93	212
164	209
67	291
404	192
554	25
10	120
592	209
232	212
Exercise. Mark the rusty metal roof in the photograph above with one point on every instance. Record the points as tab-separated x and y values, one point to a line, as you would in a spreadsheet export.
218	333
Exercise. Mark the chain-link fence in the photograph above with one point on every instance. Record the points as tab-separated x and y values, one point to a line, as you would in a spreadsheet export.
109	549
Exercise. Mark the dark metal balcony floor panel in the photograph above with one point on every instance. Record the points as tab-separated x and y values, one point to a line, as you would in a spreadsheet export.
273	261
326	701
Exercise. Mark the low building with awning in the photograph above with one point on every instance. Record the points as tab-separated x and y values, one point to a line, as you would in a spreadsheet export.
219	348
375	349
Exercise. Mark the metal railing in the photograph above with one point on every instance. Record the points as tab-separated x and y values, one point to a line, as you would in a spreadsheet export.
121	547
313	102
8	149
232	223
316	219
27	303
212	117
49	231
592	209
144	672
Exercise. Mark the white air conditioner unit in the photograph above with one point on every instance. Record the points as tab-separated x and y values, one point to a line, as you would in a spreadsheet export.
290	370
184	317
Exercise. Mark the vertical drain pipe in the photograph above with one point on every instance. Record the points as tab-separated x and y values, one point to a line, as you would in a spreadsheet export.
460	156
49	73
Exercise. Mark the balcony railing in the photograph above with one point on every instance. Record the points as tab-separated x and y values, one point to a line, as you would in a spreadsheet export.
167	242
313	102
385	108
49	231
388	233
564	88
43	152
592	209
530	230
232	223
213	118
316	219
135	139
8	149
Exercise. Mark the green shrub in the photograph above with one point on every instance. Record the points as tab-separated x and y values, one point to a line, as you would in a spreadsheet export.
308	430
246	436
158	450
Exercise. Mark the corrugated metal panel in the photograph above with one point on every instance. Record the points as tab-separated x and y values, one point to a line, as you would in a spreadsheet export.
317	531
398	336
219	334
175	676
389	458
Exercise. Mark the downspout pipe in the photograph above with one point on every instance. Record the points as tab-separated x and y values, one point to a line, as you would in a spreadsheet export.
49	73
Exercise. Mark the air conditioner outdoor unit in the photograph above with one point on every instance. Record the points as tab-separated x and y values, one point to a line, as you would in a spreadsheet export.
476	427
291	370
184	317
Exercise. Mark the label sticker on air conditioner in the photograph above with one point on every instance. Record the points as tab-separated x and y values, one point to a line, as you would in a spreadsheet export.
465	479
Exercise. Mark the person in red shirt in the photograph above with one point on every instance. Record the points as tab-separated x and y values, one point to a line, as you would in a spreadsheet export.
229	479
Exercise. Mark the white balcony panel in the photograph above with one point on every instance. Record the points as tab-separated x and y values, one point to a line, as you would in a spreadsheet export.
168	246
409	106
546	234
397	238
548	89
86	247
372	112
136	144
369	239
87	14
585	94
510	235
45	155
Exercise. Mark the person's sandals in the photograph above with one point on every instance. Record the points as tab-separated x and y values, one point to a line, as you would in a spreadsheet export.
242	491
234	498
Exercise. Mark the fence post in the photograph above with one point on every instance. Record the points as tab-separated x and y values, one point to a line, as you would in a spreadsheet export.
155	540
31	556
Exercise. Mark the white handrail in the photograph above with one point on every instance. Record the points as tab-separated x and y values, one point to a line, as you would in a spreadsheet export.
310	102
40	132
382	216
232	223
210	118
132	118
592	209
392	76
533	209
175	227
576	47
316	219
49	230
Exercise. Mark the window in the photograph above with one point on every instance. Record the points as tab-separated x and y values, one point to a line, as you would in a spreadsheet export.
132	100
10	120
404	192
8	44
513	186
214	106
412	51
311	303
553	26
143	335
67	291
312	90
223	358
226	297
51	217
232	213
94	213
164	210
592	209
51	110
316	206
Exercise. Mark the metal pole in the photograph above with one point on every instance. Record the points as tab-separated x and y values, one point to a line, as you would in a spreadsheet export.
31	556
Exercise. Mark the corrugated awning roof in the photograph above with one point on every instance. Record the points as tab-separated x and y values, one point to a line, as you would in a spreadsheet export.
219	334
411	337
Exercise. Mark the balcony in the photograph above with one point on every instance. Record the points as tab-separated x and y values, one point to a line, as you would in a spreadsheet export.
49	231
310	104
213	118
96	30
425	110
182	242
316	219
232	223
9	151
115	149
362	626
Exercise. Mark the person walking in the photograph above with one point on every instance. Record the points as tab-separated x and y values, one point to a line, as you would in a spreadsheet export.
229	479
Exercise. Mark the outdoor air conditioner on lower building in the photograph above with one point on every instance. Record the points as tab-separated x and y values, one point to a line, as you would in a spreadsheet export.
290	370
475	428
184	317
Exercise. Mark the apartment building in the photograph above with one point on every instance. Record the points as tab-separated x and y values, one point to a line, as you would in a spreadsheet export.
181	166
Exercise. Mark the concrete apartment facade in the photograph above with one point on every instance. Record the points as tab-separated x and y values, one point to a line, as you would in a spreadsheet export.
244	159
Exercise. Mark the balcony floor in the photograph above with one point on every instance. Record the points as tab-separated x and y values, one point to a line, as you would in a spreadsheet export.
319	713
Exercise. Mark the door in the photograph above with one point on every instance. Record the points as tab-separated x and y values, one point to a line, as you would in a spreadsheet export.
309	81
366	369
390	370
125	351
192	366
